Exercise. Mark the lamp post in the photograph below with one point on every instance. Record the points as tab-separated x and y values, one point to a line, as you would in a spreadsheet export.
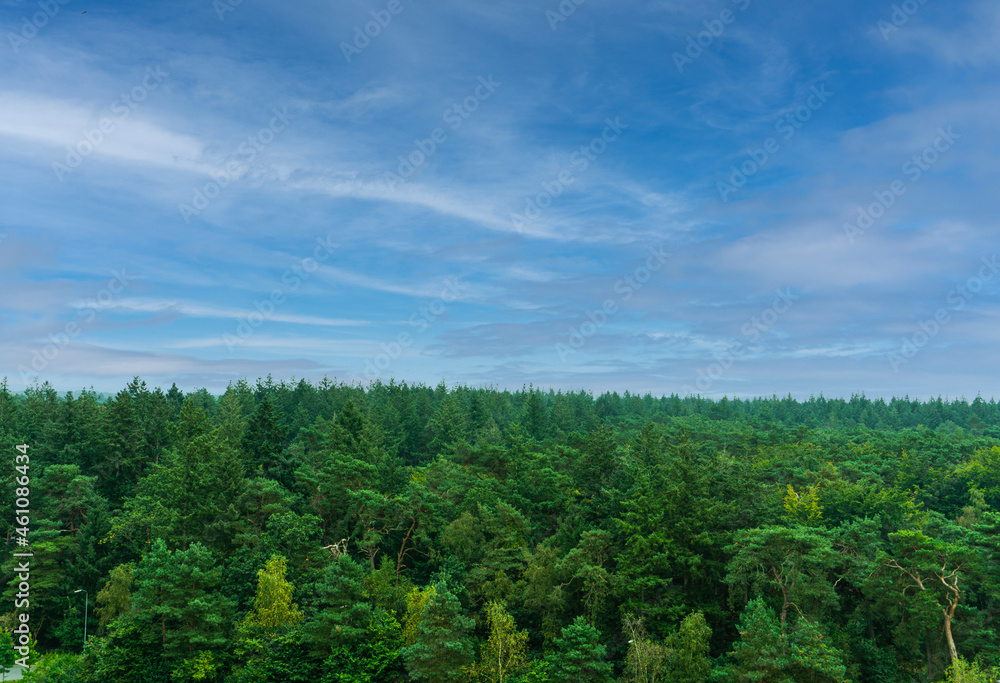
86	607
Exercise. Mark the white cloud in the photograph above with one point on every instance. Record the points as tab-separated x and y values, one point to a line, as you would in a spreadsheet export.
199	310
973	43
57	123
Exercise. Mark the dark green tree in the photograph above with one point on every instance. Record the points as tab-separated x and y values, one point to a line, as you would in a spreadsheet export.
442	649
263	443
579	655
177	602
768	651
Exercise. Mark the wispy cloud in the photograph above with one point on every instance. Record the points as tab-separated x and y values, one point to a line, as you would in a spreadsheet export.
198	310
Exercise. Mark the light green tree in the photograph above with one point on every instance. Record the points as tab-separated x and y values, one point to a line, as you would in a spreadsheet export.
503	654
962	671
416	603
116	596
687	651
272	604
645	659
803	508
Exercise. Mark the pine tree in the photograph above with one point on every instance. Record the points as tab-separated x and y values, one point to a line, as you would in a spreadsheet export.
176	597
766	652
442	650
579	655
534	417
447	426
263	443
7	654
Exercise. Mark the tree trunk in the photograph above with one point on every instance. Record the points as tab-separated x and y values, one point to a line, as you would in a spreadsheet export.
952	652
784	609
402	548
930	657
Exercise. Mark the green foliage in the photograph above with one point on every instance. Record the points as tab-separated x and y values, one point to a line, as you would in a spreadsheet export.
389	532
263	441
765	653
416	603
375	659
125	655
442	649
929	576
7	655
982	471
341	613
60	668
201	667
796	563
503	655
534	417
646	658
281	658
803	508
176	600
579	655
688	651
272	604
962	671
116	596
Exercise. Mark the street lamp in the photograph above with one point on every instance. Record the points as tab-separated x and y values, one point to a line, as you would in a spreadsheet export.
86	607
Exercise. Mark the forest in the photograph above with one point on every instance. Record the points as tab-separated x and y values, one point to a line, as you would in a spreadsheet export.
333	532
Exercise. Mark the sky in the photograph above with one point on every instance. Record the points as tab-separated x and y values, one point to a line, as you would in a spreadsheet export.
724	197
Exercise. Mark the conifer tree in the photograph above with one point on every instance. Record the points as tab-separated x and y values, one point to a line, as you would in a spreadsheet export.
579	655
176	597
442	650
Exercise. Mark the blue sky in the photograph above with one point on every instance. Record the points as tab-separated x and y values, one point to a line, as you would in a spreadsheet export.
725	198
